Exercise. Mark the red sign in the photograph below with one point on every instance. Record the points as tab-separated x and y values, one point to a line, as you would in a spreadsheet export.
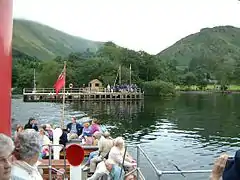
75	154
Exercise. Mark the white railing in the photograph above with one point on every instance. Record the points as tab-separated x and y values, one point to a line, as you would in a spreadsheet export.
72	90
140	175
50	168
160	173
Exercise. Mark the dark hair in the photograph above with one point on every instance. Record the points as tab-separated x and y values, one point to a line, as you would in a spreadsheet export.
30	119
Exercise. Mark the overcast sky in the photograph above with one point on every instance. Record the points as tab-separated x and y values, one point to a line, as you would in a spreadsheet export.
149	25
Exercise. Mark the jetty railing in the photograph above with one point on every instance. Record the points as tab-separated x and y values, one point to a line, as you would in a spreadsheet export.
71	90
159	173
79	94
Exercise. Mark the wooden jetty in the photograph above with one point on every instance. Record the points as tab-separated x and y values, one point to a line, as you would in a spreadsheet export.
79	94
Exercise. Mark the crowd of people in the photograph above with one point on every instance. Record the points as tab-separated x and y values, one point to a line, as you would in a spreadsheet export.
123	88
19	157
107	160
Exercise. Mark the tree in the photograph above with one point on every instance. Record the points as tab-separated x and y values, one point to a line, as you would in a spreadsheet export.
48	74
188	79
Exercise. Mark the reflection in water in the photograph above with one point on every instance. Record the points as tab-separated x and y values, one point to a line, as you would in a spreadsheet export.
121	116
189	130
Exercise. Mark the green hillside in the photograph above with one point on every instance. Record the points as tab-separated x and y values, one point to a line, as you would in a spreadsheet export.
211	56
44	42
221	42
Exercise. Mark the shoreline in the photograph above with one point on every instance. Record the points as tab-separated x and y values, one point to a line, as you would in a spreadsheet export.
207	92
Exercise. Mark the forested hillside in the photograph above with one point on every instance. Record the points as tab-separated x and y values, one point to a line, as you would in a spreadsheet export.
83	67
44	42
214	52
211	56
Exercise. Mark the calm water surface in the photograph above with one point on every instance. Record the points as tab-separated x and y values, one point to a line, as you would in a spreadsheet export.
188	131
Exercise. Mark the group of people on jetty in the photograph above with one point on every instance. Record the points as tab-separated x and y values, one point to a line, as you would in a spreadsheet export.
19	156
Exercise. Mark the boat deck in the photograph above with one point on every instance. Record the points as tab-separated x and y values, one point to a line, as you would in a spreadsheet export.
57	164
63	165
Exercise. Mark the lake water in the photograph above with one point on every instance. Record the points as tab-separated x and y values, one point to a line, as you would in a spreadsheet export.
190	130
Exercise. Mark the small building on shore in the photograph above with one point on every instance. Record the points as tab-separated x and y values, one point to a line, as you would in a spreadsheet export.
95	85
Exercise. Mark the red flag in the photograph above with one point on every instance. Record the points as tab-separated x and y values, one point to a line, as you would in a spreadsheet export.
59	84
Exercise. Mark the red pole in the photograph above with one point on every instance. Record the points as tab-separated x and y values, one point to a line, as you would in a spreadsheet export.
6	22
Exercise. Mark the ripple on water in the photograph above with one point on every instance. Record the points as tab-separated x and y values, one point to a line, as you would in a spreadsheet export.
149	137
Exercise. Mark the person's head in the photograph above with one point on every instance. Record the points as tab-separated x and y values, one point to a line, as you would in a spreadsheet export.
6	149
19	128
32	121
86	124
44	127
48	127
109	164
130	177
106	134
119	142
95	121
97	135
41	131
74	120
27	146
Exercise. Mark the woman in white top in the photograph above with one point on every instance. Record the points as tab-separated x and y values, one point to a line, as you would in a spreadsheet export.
27	149
117	152
44	142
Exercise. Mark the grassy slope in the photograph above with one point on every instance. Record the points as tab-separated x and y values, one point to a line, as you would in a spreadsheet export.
223	41
44	42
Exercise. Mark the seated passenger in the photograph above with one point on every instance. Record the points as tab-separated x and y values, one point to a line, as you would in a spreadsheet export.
131	177
115	172
109	170
49	131
86	135
117	152
74	129
95	126
18	130
6	149
104	146
44	141
101	172
96	135
27	149
63	138
32	124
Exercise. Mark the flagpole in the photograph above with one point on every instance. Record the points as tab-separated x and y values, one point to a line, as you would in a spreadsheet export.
63	102
130	68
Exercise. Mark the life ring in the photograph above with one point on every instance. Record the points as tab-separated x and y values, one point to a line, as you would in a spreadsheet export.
70	85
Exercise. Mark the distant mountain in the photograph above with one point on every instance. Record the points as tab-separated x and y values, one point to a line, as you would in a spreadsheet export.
222	42
44	42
